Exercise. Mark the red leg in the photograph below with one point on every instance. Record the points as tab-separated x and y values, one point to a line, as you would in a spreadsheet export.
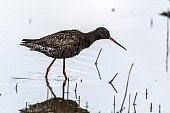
64	72
64	84
48	69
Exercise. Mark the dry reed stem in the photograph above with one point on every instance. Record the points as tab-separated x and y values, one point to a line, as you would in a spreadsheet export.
96	63
113	78
126	87
114	104
98	56
167	53
129	103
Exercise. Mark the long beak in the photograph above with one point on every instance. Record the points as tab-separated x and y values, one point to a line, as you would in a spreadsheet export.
117	43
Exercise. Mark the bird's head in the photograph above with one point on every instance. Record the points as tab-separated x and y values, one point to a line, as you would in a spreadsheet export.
103	33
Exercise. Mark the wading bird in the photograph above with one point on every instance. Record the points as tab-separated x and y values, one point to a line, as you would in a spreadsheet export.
66	44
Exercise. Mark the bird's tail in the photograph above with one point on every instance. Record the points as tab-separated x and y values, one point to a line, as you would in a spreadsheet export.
30	40
30	43
27	41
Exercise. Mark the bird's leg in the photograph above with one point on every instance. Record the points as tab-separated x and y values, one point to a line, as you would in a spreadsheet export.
64	72
48	69
64	84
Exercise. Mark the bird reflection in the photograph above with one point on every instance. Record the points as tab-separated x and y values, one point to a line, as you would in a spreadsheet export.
55	104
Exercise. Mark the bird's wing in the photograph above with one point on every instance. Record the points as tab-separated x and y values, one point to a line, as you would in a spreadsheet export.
64	43
56	40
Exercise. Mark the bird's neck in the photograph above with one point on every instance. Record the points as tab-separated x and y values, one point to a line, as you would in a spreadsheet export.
92	37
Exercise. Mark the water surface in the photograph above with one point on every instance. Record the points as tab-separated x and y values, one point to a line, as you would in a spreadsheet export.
129	24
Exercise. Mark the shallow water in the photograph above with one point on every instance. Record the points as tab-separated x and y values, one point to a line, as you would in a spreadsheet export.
129	24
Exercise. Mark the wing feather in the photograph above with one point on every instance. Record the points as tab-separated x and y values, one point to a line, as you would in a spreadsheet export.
51	45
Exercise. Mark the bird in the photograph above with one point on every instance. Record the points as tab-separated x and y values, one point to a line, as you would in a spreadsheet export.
66	44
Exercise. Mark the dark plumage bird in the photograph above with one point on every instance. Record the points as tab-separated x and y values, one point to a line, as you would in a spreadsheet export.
66	44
